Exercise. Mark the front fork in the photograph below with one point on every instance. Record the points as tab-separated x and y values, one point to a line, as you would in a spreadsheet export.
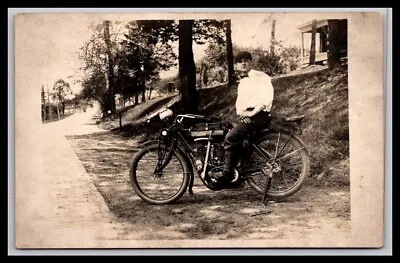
164	156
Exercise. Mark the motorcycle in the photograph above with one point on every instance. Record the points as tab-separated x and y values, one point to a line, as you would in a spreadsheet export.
275	162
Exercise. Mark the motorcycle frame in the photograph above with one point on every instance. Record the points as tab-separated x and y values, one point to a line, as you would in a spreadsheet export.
177	141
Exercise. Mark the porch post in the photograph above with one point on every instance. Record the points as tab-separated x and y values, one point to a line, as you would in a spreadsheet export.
302	47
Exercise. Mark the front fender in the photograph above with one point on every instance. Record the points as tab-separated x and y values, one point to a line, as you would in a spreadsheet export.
148	142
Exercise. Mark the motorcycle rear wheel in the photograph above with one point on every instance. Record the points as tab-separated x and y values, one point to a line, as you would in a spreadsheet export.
285	153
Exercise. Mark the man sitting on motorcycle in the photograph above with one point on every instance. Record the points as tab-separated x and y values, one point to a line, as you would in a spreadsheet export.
253	104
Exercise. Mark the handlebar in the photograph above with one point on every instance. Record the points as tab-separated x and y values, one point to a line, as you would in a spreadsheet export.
165	113
179	118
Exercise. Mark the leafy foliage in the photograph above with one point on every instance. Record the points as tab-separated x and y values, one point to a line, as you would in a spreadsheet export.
61	89
123	60
283	60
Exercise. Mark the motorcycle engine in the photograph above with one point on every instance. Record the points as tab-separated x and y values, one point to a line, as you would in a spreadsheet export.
217	153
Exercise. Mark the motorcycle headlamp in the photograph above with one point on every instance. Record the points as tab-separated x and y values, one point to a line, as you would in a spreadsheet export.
164	132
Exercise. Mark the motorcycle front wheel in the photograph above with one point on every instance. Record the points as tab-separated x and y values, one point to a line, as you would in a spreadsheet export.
158	187
282	154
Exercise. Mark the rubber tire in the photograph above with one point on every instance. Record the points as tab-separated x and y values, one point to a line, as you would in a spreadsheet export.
132	175
295	141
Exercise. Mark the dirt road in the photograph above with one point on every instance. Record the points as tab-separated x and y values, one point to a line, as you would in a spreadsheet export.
83	199
61	208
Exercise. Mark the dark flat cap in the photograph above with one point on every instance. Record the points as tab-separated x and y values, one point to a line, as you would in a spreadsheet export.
243	55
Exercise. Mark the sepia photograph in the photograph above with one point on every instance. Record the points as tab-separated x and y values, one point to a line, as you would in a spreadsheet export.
212	130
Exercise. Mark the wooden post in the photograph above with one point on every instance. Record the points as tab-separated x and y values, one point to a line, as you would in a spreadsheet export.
120	120
334	43
302	47
312	48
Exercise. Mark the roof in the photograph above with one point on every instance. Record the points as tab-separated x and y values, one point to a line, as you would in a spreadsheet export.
307	26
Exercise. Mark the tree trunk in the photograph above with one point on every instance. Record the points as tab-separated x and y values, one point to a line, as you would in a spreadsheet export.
272	45
110	103
50	107
142	85
143	93
136	98
187	68
43	96
229	52
150	90
63	107
334	44
58	110
205	76
312	48
201	75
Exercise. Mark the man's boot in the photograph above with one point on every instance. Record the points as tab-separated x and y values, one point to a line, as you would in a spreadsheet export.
228	173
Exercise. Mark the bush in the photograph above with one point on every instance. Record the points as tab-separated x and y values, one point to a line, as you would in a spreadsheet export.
283	60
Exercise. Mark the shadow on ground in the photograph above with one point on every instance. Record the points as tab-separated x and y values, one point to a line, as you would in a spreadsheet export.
227	214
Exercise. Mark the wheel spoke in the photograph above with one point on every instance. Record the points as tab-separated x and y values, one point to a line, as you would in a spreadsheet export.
289	154
263	152
290	157
277	145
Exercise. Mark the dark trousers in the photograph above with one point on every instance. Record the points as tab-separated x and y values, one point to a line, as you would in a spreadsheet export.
234	139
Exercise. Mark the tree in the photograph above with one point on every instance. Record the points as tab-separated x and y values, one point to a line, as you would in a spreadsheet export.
312	48
43	97
334	43
99	57
94	87
285	59
272	45
187	32
187	68
143	57
110	64
215	63
61	89
229	53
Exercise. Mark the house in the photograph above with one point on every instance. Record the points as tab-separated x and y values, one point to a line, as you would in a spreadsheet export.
321	40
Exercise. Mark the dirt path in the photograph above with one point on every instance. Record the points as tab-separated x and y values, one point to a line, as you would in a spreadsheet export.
61	208
89	203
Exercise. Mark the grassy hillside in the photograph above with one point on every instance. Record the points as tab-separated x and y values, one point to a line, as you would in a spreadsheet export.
322	96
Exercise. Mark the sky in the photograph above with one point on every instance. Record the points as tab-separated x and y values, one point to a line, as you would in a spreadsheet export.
51	41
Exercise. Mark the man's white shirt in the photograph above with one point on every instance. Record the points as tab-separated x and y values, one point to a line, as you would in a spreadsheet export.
254	90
